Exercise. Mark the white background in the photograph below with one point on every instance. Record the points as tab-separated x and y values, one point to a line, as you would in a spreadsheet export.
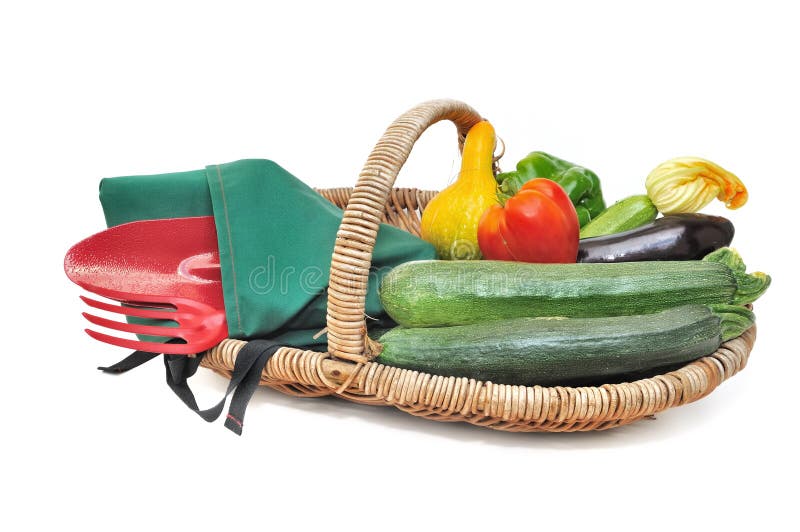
95	90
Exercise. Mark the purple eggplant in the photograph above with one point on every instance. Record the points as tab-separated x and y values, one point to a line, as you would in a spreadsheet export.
672	237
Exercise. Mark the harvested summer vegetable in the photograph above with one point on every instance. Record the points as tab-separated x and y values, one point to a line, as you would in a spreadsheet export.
442	293
450	221
672	237
581	184
687	184
565	351
537	224
624	215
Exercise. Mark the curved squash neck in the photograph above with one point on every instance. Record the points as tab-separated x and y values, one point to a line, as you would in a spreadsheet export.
478	181
477	157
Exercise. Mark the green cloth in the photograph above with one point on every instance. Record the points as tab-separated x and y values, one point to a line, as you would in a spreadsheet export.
154	197
276	238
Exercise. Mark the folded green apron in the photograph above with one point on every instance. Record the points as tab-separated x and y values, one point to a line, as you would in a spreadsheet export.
276	238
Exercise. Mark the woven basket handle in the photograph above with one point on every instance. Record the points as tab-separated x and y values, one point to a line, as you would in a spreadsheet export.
355	240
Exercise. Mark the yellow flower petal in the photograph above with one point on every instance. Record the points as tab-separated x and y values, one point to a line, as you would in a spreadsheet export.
687	184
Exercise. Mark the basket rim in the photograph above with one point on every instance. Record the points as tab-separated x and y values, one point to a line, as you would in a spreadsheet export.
502	406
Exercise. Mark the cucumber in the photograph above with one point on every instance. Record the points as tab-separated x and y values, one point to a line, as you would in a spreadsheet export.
566	351
624	215
443	293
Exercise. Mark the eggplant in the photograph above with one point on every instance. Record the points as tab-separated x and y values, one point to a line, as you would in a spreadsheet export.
672	237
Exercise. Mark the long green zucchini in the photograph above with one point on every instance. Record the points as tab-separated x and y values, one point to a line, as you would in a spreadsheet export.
443	293
566	351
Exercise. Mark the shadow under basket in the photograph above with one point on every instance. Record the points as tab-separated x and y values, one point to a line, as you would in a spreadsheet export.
347	370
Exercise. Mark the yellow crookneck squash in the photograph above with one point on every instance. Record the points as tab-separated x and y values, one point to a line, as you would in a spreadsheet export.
450	221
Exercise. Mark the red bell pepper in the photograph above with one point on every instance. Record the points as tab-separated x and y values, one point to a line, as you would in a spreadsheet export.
537	224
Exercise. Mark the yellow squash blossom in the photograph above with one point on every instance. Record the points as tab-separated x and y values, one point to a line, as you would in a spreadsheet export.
687	184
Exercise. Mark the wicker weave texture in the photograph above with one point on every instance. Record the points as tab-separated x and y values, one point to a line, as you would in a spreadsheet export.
352	253
498	406
346	370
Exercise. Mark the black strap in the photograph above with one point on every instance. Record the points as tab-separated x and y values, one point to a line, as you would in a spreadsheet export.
250	362
134	360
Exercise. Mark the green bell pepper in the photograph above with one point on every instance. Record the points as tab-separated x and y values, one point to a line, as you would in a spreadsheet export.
581	184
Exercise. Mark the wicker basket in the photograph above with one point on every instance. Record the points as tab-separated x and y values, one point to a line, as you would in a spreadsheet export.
346	369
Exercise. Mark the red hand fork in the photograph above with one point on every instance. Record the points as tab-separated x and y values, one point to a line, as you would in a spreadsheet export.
157	269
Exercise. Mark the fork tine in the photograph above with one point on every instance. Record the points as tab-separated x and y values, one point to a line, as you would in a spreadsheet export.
135	328
150	347
131	311
138	300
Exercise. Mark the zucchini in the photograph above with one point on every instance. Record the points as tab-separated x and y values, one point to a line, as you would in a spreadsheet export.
443	293
624	215
566	351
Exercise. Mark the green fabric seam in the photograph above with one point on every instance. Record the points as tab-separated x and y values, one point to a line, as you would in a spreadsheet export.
230	247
